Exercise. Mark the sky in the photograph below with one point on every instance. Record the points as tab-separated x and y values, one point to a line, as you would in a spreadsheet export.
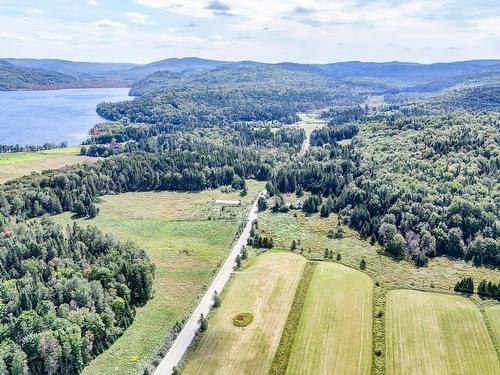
309	31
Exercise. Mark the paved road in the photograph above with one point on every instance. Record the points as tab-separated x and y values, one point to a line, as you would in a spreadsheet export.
187	334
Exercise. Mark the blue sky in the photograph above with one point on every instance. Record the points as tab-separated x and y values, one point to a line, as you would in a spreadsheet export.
314	31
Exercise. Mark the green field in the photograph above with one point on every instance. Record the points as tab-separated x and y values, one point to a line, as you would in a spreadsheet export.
311	232
334	335
430	333
17	164
188	237
266	289
311	235
493	315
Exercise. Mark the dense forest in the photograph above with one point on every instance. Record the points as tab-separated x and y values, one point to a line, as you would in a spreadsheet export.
227	95
420	185
65	296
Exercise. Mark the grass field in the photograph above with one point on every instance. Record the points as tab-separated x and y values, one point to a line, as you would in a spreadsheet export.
430	333
266	289
334	335
311	234
493	315
17	164
187	236
312	231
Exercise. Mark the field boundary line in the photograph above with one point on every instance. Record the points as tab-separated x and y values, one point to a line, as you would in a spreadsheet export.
284	350
487	322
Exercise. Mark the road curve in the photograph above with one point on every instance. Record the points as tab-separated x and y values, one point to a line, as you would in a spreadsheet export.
189	330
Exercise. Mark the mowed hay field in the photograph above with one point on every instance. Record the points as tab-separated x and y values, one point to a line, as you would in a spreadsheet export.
17	164
188	237
436	334
493	316
266	289
334	335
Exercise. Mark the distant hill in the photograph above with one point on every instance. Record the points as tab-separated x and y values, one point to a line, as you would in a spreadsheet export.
186	64
392	76
72	68
396	74
16	77
473	93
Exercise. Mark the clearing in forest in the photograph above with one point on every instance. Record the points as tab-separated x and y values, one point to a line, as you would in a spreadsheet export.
334	335
187	236
266	289
436	334
17	164
309	122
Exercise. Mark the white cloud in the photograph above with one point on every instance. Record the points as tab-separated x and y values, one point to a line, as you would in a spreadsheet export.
10	36
266	30
140	18
33	12
106	22
54	37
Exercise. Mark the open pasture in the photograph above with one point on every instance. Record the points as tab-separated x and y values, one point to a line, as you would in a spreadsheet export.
266	289
436	334
334	335
17	164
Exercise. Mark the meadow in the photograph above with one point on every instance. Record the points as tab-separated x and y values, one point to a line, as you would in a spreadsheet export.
17	164
187	236
493	315
266	290
334	335
311	235
437	334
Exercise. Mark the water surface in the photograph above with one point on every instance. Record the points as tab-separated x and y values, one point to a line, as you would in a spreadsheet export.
38	117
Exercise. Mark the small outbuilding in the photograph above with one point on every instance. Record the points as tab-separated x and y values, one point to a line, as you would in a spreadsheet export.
298	205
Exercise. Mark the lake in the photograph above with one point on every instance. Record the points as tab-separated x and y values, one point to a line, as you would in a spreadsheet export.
38	117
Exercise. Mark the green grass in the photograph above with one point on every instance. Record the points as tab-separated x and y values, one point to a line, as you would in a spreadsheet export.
63	151
441	274
19	157
334	335
187	237
266	289
282	356
310	232
430	333
493	316
17	164
24	157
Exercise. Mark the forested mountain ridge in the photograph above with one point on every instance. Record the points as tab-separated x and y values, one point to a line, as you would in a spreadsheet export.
14	77
75	69
229	94
400	75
